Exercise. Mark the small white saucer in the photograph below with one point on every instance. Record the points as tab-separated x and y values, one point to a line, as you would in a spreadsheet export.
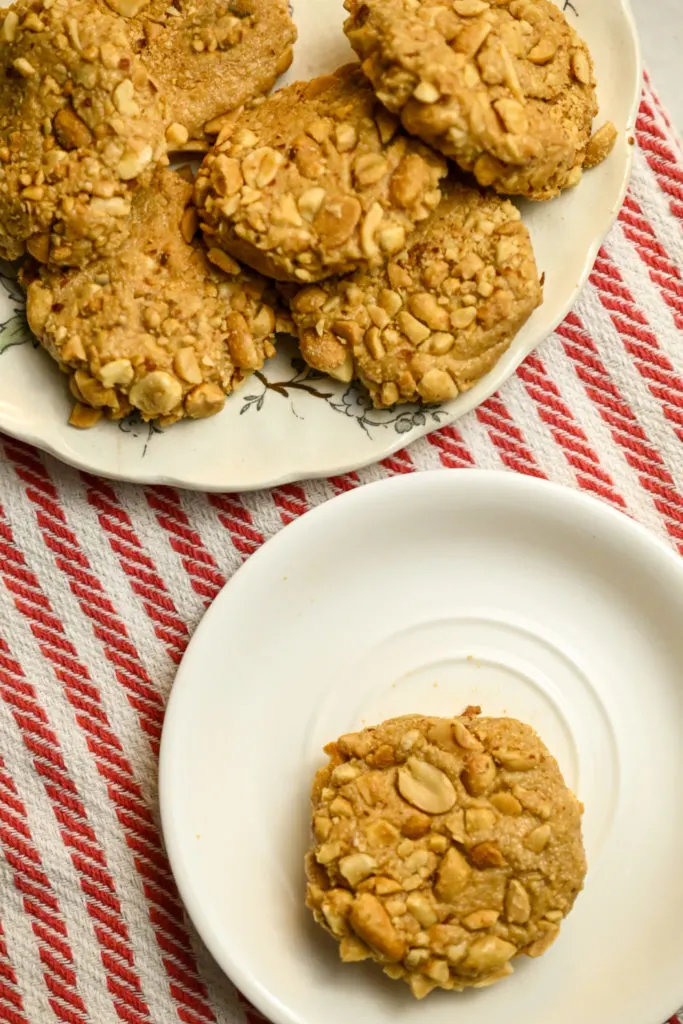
424	594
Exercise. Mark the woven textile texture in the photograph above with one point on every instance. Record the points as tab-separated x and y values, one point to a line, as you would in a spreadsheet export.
101	586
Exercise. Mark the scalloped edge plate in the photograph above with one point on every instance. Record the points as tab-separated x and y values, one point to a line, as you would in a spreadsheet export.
286	424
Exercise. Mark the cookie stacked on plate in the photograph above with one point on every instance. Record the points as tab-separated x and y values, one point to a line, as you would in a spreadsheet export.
411	280
94	97
399	271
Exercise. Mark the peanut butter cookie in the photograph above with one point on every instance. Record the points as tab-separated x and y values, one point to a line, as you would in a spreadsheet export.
504	87
438	316
316	180
80	125
443	849
157	327
209	56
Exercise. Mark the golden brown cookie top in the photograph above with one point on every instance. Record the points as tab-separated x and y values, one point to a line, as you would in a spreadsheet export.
505	87
209	56
437	317
318	179
157	327
443	848
80	125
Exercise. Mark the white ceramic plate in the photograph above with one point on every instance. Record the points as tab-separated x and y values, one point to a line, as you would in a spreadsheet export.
425	594
283	425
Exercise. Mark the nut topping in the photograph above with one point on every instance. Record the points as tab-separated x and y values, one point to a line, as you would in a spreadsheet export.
517	903
334	184
371	922
479	773
454	872
356	867
440	306
425	787
449	894
76	127
156	329
505	89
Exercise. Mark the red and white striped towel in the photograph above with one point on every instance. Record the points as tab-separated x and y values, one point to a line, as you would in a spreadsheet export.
102	585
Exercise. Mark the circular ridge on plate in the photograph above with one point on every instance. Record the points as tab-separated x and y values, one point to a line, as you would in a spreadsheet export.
285	660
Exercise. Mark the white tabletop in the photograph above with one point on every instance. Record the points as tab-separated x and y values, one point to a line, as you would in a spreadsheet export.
660	23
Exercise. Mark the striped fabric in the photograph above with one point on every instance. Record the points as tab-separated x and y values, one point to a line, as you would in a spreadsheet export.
102	585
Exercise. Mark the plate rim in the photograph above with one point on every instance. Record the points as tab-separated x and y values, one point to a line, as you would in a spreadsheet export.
258	994
22	431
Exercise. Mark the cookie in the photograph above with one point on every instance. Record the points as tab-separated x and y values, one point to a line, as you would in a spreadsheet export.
157	327
443	849
316	180
81	125
209	56
438	316
504	87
